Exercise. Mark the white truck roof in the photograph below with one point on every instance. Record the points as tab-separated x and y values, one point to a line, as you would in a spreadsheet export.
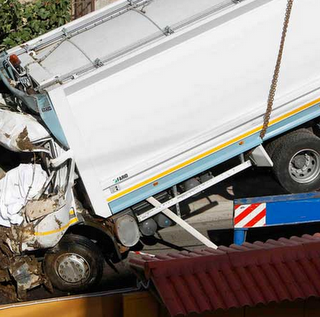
83	45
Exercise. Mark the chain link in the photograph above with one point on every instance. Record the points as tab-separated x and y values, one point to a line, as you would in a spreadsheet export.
274	83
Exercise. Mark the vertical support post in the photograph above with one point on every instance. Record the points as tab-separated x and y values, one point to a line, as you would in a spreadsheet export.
239	236
175	193
241	156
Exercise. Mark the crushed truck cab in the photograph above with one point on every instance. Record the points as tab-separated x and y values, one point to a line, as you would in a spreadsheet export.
37	201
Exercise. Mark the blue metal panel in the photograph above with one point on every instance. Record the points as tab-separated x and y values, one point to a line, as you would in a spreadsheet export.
283	210
288	209
278	198
290	212
49	116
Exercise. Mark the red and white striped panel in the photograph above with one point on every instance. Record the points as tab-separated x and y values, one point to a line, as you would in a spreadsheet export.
249	216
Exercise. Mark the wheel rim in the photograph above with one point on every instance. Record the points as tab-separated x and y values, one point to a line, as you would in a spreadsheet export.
72	268
304	166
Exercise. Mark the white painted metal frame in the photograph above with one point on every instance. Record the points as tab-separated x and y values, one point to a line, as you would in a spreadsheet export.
164	206
260	157
183	224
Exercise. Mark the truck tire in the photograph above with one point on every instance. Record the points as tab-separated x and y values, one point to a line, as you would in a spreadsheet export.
296	159
74	265
273	146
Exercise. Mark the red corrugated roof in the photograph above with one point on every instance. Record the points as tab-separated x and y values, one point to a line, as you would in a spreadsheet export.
235	276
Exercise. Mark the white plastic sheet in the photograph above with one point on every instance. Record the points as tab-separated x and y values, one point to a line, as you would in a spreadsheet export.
18	131
20	185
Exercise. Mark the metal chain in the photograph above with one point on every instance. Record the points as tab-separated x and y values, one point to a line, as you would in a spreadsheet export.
274	83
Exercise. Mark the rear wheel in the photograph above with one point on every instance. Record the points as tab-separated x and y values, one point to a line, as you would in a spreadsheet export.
296	158
76	264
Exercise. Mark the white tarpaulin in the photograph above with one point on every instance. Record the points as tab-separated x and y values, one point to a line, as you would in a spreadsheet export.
18	131
20	185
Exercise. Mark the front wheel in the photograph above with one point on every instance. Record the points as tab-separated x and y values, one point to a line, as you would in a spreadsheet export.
296	159
74	265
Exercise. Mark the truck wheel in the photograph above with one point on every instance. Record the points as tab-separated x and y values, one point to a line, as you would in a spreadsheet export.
274	145
296	160
76	264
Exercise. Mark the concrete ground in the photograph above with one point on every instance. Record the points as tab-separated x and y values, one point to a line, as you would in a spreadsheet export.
212	211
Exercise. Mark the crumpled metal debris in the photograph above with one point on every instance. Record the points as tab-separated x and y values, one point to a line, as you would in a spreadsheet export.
36	209
27	273
18	272
23	141
19	185
19	131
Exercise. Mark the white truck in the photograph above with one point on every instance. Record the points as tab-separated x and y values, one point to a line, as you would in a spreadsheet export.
116	117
